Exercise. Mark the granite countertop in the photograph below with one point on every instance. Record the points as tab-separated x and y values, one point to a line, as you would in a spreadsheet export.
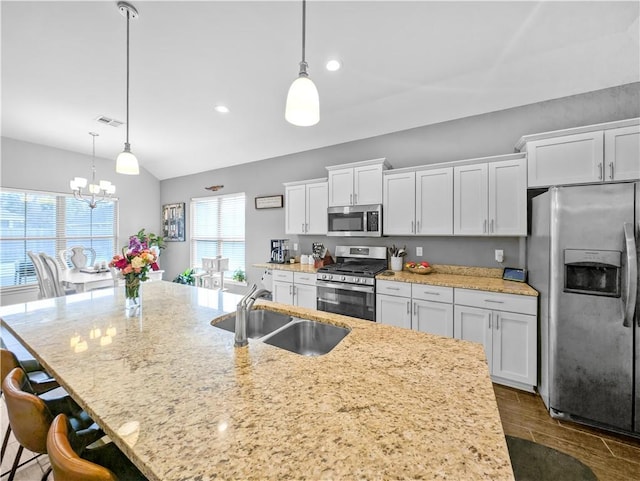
480	278
184	404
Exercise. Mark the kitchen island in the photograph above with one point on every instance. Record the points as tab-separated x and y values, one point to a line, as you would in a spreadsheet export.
184	404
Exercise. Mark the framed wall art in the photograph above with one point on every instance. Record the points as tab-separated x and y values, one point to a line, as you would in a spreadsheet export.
173	222
269	202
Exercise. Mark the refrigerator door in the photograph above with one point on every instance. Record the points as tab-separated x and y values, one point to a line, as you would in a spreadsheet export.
591	351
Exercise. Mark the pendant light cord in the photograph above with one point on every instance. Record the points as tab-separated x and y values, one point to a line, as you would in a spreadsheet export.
128	15
304	23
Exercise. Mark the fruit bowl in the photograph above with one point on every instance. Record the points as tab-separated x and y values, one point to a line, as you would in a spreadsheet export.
418	270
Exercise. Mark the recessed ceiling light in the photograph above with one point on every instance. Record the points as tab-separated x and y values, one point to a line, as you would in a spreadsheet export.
223	109
333	65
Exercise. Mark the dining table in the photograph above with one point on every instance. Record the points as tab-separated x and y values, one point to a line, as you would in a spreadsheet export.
87	280
175	395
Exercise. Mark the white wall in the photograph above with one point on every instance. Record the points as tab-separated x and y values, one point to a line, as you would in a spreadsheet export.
37	167
489	134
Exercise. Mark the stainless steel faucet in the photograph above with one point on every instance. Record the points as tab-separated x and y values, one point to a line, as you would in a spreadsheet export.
242	313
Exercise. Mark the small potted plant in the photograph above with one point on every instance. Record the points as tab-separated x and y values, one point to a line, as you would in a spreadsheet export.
239	275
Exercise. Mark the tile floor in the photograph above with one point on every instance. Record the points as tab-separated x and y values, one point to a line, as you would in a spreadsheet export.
612	457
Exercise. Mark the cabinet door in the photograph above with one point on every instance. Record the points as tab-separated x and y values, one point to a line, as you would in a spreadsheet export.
341	187
282	292
470	199
316	210
398	206
305	296
514	347
473	324
433	317
571	159
295	209
508	198
367	185
393	310
622	153
434	202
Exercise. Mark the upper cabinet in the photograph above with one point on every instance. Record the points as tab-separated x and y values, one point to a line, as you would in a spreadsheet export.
418	202
306	207
597	153
358	183
490	197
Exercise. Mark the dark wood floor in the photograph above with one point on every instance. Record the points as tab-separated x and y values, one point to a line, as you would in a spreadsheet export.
612	457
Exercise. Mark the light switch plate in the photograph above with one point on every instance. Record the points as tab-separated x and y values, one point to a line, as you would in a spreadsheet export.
419	251
499	255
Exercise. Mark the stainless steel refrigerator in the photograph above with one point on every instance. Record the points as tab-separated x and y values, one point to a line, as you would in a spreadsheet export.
582	257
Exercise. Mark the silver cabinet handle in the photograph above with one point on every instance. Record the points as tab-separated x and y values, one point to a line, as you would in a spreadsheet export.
417	226
497	322
350	199
631	275
355	199
412	227
408	307
494	302
600	171
393	288
611	170
431	293
492	231
484	227
490	315
415	308
303	227
306	227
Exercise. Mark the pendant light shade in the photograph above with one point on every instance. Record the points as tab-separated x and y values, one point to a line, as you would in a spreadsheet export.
303	101
126	162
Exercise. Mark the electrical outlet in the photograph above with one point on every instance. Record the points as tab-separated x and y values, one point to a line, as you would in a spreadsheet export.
499	255
419	251
295	247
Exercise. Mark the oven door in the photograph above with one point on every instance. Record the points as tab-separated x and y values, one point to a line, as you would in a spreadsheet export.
347	299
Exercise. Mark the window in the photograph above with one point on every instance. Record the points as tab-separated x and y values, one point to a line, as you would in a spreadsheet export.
49	222
217	225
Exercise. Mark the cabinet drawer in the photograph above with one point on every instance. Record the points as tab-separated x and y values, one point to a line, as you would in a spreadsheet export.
432	293
497	301
286	276
304	278
402	289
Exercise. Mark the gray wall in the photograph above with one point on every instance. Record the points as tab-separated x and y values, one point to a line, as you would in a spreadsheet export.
489	134
37	167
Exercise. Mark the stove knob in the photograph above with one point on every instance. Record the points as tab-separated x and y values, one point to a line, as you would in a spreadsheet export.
330	277
324	276
343	278
357	280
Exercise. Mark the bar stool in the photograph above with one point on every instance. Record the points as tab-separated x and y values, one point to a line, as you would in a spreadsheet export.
30	418
103	463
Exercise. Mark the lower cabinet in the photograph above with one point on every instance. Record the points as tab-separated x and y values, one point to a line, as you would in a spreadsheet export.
410	306
295	288
506	325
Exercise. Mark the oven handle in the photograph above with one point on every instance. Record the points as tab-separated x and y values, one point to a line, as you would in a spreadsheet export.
346	287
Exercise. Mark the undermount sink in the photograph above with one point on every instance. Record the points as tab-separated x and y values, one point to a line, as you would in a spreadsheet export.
259	323
309	338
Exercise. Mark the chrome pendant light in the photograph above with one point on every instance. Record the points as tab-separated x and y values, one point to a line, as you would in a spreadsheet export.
126	162
303	102
97	192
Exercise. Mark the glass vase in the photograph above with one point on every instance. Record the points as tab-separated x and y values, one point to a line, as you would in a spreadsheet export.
132	300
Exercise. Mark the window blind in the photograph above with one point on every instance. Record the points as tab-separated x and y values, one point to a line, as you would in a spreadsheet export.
49	222
217	229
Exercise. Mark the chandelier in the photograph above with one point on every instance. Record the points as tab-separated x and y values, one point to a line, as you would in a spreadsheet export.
99	192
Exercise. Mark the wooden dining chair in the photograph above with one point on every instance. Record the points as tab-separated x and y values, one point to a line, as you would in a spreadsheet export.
30	418
102	463
53	272
45	283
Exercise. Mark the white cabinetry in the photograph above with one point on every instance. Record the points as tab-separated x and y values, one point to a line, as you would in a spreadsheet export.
359	183
490	198
506	325
415	306
418	203
306	207
599	153
294	288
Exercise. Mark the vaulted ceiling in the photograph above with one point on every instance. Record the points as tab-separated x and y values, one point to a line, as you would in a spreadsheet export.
405	64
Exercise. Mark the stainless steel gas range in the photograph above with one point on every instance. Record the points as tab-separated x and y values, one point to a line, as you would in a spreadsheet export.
349	286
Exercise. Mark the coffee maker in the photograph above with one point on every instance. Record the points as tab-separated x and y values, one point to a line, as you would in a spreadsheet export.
279	251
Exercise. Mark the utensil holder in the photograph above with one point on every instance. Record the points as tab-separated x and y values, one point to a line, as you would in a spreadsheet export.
396	263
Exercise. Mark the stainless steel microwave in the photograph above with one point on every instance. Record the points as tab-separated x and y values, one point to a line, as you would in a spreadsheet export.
355	221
